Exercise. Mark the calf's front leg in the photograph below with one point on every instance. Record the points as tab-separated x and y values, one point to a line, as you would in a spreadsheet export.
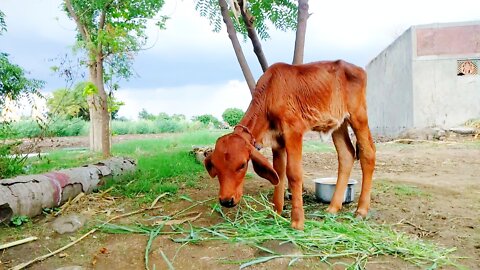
279	164
295	178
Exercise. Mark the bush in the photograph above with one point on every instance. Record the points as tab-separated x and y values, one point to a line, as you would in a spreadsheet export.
11	163
120	127
169	126
207	119
55	127
25	129
232	116
61	127
149	127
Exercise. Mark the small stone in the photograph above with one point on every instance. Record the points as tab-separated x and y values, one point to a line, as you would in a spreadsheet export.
463	130
68	224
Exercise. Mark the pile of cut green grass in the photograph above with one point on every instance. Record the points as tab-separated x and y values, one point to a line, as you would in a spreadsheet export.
340	238
325	237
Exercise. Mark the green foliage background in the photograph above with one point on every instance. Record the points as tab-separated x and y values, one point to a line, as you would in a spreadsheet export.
282	14
232	116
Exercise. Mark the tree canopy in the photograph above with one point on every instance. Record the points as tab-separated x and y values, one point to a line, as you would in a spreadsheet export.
116	29
232	116
207	119
13	80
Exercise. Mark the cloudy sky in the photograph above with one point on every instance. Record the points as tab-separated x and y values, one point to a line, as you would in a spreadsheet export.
188	69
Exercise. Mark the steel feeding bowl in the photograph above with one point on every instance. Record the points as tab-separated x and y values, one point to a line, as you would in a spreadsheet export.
325	187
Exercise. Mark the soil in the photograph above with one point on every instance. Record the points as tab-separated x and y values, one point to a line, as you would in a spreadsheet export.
429	190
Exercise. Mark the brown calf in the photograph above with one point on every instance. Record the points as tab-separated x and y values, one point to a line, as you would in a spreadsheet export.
289	101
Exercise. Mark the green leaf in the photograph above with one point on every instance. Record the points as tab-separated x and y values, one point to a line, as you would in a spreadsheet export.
90	89
258	260
19	220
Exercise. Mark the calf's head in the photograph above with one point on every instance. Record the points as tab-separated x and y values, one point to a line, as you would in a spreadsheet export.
229	162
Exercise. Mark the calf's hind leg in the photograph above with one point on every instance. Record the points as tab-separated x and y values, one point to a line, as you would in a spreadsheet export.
359	123
346	157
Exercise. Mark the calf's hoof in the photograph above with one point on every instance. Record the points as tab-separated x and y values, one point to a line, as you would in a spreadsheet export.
278	209
297	225
361	213
333	209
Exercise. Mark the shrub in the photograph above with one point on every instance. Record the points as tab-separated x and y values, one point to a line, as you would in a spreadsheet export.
11	163
232	116
58	126
169	126
207	119
120	127
142	127
63	127
25	129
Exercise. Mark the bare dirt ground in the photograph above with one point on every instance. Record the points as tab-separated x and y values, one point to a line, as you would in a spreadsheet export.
429	190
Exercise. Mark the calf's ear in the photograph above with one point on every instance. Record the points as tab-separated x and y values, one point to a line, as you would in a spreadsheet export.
209	166
263	168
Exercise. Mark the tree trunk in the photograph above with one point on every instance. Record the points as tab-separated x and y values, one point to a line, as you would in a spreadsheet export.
98	107
106	138
29	194
248	19
95	123
301	31
236	46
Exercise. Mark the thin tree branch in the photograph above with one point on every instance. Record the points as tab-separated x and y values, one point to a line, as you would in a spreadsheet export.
83	31
232	34
248	19
101	26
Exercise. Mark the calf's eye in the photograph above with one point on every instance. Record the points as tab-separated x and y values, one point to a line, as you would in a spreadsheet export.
242	166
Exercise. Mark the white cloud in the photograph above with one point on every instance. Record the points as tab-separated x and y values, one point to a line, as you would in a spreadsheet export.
186	31
189	100
38	18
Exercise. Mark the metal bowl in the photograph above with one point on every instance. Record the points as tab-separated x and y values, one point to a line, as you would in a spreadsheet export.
325	187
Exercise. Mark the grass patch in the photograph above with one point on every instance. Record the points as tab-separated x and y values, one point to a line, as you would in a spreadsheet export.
60	159
164	165
385	186
406	190
317	146
150	153
340	238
